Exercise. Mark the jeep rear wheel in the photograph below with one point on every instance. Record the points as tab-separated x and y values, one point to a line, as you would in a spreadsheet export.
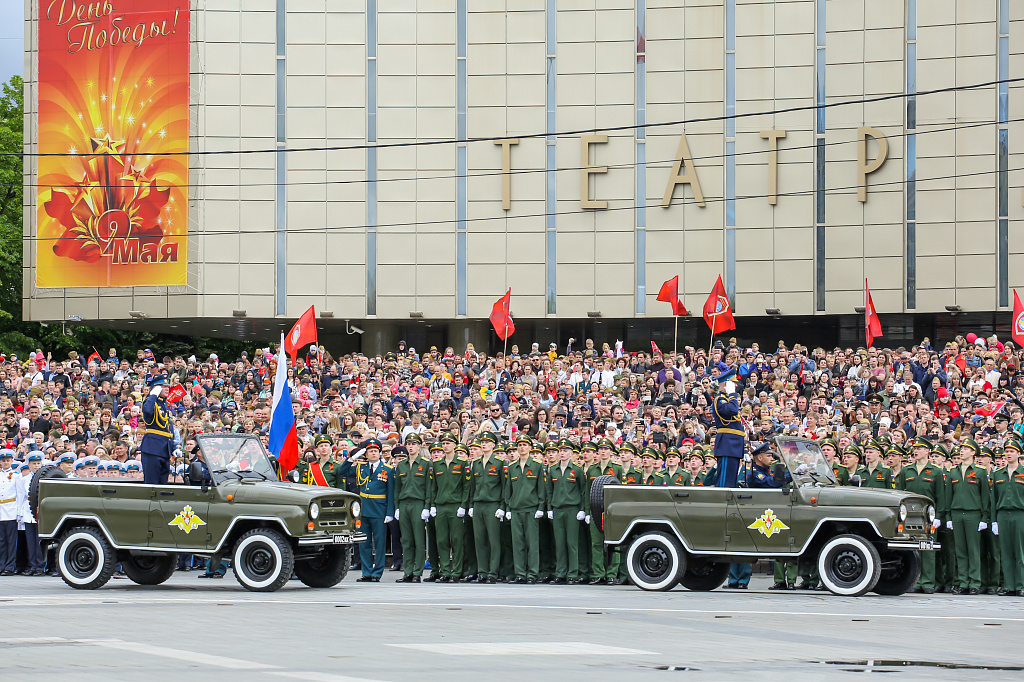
900	572
705	576
656	561
85	558
263	560
597	499
326	569
849	565
149	570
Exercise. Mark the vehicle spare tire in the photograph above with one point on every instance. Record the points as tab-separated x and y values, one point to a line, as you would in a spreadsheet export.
33	488
597	499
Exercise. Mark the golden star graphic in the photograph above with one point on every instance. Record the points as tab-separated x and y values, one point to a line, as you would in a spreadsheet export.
108	145
187	520
768	524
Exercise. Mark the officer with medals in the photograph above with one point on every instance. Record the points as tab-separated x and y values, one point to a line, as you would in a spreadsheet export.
322	471
729	435
158	443
376	483
412	490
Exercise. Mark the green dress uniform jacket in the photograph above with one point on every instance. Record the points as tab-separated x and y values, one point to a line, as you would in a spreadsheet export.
656	478
525	495
881	477
601	570
566	499
630	476
968	505
413	489
451	481
679	478
487	488
841	473
929	482
1008	512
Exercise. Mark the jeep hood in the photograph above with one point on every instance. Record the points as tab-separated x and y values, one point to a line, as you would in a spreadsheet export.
842	496
281	492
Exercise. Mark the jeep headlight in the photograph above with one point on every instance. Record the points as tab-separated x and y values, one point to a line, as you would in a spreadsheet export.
356	508
903	512
314	511
931	513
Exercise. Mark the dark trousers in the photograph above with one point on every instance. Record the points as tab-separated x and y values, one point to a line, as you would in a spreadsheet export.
728	469
155	469
8	545
739	574
35	553
395	542
371	552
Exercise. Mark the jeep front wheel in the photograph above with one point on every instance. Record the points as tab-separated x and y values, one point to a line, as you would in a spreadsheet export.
326	569
901	569
149	570
85	558
849	565
263	560
656	561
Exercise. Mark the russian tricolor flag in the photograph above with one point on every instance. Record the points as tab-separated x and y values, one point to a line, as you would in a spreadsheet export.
284	443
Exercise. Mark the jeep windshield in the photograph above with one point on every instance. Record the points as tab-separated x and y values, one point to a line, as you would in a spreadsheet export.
805	461
234	457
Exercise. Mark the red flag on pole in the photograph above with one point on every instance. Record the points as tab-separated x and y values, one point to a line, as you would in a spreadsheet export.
501	318
872	323
654	348
990	409
670	294
302	334
717	311
1017	329
176	393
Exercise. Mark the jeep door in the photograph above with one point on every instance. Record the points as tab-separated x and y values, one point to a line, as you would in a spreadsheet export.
178	516
126	511
701	513
760	520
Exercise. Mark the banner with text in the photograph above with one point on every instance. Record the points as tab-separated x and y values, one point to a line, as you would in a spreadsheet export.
113	142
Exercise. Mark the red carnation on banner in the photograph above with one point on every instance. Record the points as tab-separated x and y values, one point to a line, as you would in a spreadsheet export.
302	334
1017	329
670	294
176	393
717	310
872	323
501	318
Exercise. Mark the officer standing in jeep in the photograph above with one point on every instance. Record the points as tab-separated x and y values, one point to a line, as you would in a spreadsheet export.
158	443
729	434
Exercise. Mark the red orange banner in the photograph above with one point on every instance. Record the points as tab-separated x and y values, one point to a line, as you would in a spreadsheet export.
113	141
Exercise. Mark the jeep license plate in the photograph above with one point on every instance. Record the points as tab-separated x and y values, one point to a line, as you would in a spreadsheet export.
927	545
344	540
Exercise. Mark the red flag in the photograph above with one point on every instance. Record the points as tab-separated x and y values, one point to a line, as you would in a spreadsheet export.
654	348
670	294
176	393
717	310
990	409
961	362
302	334
1017	330
872	323
94	357
501	318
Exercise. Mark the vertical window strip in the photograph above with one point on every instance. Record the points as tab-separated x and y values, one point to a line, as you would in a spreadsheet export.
281	165
371	157
641	158
910	285
461	161
819	158
551	198
730	149
1003	152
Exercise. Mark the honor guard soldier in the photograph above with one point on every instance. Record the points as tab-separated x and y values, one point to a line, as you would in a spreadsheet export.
729	434
830	449
376	483
674	473
487	483
525	502
469	568
1008	523
448	506
322	471
991	568
969	510
601	572
158	443
412	490
876	474
649	474
436	453
630	474
924	478
566	498
26	516
8	513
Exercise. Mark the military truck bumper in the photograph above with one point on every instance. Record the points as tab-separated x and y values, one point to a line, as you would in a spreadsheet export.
337	539
922	545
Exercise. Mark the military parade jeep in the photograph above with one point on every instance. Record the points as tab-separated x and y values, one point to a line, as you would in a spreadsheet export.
233	507
859	540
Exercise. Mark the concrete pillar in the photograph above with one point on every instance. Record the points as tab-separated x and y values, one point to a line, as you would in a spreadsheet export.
379	337
463	332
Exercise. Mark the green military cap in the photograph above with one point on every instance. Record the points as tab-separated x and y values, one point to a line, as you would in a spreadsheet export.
852	449
895	449
657	454
553	445
972	444
998	451
361	410
884	439
323	439
523	438
447	436
649	452
921	442
985	451
594	445
389	356
1002	415
710	457
413	438
874	444
628	447
875	399
435	446
1013	444
535	449
941	449
566	443
462	448
500	447
673	450
489	436
830	442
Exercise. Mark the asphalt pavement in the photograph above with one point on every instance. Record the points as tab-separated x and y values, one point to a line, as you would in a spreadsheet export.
203	629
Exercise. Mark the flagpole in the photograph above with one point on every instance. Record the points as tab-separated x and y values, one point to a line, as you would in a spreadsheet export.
714	320
675	337
867	313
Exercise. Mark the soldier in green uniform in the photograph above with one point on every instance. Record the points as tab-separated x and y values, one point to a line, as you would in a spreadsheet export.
649	471
894	455
412	490
433	556
1008	519
322	471
945	558
924	478
851	462
469	568
830	449
876	475
506	569
586	458
448	506
487	475
694	464
566	485
968	514
630	475
545	529
525	501
600	571
991	567
674	474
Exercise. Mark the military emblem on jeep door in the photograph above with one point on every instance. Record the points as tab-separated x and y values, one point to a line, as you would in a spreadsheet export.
768	524
187	520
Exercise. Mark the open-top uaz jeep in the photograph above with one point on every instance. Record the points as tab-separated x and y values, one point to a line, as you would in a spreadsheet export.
232	507
859	539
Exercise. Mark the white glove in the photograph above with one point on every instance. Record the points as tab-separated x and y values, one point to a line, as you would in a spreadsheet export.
729	388
936	524
156	390
389	519
177	452
587	519
433	511
356	455
982	526
538	515
949	525
425	514
470	512
551	515
461	512
398	514
995	528
581	516
500	514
